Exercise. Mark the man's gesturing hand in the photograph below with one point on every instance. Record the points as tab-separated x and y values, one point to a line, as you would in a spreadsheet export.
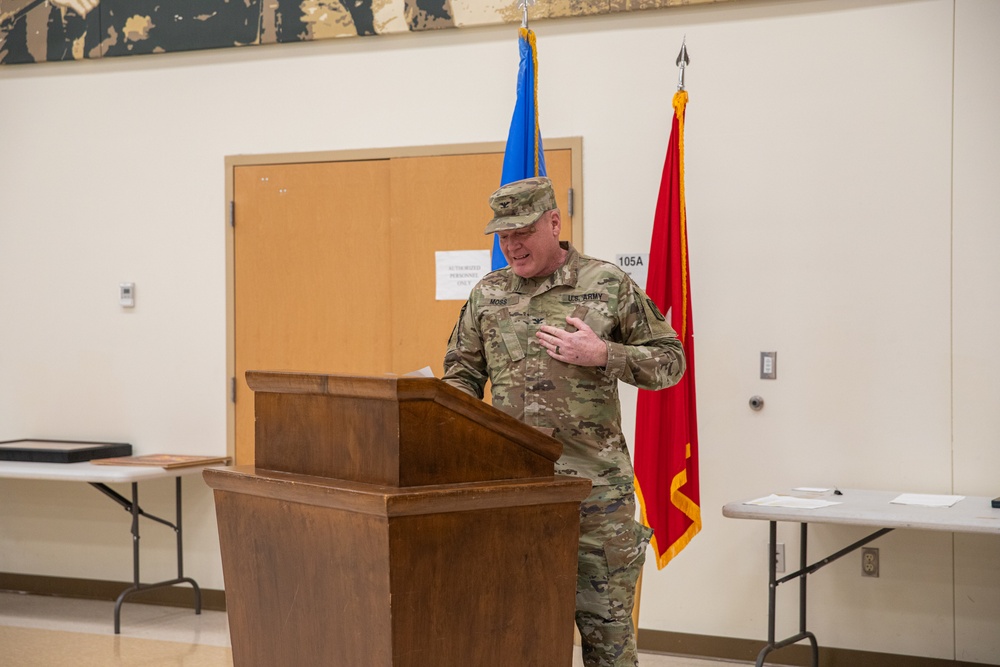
582	348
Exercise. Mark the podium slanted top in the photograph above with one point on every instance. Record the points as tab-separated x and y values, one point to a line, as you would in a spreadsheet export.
392	431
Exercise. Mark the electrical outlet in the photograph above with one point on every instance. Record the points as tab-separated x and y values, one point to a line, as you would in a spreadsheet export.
779	556
869	562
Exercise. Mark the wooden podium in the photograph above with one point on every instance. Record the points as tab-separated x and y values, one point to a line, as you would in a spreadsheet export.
395	522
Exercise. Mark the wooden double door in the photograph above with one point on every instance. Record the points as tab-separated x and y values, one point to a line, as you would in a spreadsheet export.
334	267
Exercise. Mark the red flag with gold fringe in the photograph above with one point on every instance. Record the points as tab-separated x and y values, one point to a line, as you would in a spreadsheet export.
666	432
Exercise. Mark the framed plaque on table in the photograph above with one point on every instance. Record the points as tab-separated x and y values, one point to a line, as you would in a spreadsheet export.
60	451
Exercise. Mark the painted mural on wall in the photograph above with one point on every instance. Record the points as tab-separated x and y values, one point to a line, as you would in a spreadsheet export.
33	31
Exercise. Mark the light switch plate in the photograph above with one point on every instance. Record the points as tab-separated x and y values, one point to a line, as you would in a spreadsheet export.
768	365
126	295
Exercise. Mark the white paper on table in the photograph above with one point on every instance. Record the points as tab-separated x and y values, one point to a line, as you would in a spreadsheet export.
926	500
775	500
812	489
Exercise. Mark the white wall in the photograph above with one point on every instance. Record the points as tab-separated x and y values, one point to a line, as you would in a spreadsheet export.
841	162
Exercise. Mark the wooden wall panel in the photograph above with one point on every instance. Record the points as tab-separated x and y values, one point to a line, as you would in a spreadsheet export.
311	277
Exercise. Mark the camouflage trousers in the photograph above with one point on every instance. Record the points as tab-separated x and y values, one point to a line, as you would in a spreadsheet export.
612	552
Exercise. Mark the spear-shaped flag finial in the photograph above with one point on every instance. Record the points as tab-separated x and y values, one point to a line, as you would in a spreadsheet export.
682	62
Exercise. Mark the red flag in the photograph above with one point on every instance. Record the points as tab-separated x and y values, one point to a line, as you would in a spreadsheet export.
666	431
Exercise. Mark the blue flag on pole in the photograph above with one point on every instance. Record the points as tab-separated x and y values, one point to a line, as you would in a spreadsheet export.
523	157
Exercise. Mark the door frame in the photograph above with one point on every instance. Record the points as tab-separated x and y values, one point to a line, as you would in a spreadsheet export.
573	144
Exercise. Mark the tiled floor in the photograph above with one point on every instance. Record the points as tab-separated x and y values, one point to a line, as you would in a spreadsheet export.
39	631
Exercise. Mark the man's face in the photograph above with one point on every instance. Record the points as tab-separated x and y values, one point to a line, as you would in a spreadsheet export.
534	250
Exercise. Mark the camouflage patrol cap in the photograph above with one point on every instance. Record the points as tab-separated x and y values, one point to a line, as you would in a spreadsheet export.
520	203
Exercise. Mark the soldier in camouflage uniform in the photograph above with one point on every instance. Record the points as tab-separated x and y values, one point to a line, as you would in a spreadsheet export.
554	332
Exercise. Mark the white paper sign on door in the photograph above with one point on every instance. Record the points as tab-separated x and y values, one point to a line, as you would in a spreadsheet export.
458	271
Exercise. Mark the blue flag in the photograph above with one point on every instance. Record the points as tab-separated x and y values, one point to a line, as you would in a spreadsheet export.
523	157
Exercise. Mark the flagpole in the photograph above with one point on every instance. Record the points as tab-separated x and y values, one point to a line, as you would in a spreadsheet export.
523	155
683	60
524	4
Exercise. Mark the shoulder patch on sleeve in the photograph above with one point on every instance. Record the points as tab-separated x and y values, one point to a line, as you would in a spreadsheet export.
656	311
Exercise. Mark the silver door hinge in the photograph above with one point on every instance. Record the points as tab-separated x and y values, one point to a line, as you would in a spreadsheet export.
232	389
232	213
569	205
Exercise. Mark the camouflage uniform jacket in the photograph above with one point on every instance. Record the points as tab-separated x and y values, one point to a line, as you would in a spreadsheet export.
495	339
